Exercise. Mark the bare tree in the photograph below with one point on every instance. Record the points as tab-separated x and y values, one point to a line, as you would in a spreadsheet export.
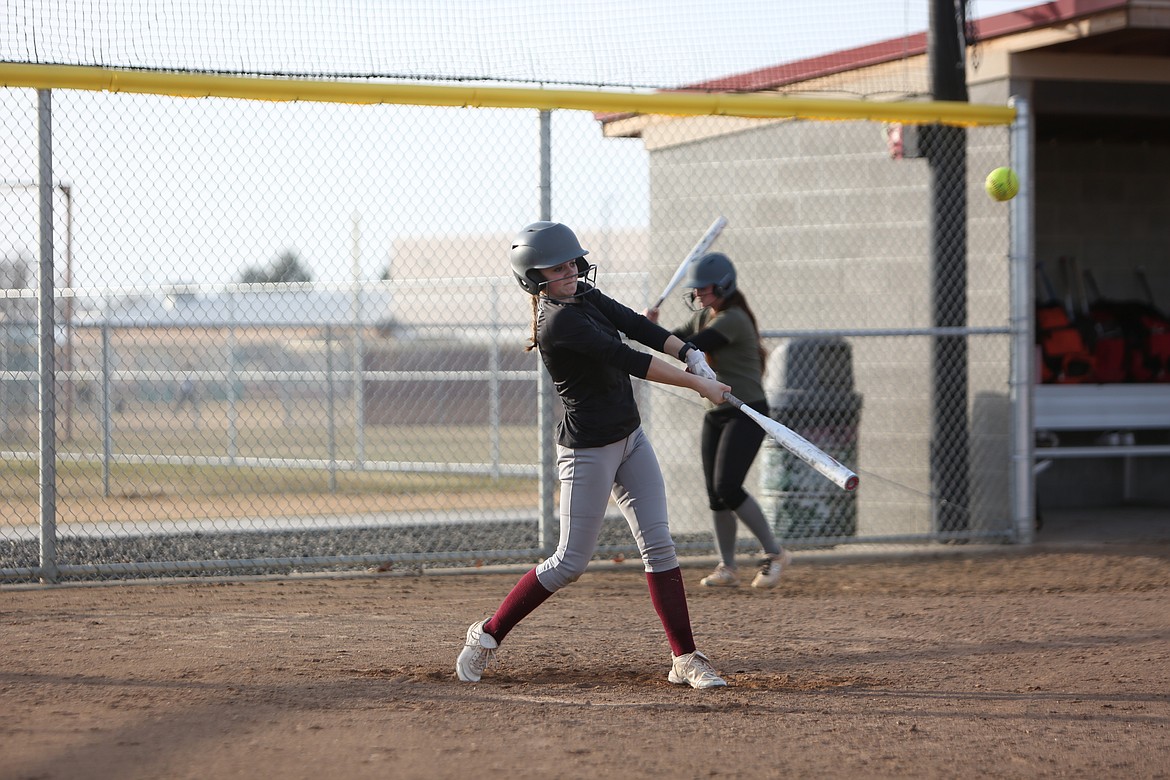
286	268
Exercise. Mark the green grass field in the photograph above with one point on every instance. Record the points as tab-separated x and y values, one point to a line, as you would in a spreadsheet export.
263	429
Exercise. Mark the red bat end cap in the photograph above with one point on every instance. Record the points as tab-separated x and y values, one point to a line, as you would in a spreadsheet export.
851	483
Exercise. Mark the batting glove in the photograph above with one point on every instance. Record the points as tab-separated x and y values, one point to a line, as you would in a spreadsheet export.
697	364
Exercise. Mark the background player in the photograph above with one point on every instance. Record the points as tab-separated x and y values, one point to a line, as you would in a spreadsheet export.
725	329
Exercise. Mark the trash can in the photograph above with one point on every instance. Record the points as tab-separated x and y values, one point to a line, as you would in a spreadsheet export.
814	398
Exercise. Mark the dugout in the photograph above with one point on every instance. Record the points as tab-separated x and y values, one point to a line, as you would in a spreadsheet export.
1101	99
1097	78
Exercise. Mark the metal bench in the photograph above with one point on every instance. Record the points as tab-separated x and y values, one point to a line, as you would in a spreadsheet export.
1102	408
1114	411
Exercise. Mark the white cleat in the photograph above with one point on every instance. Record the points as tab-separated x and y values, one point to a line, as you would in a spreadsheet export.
478	651
723	577
695	670
771	567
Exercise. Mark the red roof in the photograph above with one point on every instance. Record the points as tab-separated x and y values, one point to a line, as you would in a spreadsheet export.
844	60
1033	17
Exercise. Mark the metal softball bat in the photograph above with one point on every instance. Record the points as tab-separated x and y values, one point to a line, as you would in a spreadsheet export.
824	464
696	252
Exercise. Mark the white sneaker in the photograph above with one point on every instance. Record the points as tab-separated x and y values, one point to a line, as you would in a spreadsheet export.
478	651
695	670
723	577
771	567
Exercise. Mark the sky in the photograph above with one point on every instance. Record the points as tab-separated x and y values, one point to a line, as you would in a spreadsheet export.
657	43
172	190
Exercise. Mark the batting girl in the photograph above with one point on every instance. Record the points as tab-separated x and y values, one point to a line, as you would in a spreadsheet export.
725	329
601	448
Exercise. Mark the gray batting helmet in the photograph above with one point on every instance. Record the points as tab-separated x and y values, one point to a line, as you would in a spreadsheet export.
543	245
714	269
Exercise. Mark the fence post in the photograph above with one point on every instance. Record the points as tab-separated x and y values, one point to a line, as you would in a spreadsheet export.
494	383
359	401
1021	255
549	534
286	398
233	435
330	406
46	322
107	438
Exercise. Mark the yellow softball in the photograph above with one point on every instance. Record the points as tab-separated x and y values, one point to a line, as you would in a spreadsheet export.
1002	184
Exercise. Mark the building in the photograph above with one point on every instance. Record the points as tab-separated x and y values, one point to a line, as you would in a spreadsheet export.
833	217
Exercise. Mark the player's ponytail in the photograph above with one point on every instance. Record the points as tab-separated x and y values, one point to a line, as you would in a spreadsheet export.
535	303
737	298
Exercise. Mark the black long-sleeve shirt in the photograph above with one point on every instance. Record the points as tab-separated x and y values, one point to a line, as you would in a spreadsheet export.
580	342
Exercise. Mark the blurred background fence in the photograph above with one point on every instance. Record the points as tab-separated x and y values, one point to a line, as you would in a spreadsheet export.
285	336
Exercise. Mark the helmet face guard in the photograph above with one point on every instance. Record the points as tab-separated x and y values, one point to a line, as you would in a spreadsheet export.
545	245
586	272
711	270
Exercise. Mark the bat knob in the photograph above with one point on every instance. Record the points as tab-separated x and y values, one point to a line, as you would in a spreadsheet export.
851	483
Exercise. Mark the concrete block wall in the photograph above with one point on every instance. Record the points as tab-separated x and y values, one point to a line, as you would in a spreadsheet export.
1107	206
827	232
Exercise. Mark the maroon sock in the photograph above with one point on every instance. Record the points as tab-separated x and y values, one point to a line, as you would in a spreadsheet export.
670	602
525	596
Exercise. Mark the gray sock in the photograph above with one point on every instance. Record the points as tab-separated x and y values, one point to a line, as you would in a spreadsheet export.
753	517
725	528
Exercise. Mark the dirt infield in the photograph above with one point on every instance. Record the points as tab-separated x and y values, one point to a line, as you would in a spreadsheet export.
1046	663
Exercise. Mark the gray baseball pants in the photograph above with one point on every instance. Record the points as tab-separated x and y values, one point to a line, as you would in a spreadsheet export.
628	470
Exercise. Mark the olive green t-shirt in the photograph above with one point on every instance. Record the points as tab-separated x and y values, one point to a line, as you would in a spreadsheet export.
737	362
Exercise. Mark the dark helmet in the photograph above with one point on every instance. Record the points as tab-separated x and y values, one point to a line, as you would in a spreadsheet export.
714	269
544	245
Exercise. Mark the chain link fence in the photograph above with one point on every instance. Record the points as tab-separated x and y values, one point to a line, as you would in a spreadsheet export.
287	338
